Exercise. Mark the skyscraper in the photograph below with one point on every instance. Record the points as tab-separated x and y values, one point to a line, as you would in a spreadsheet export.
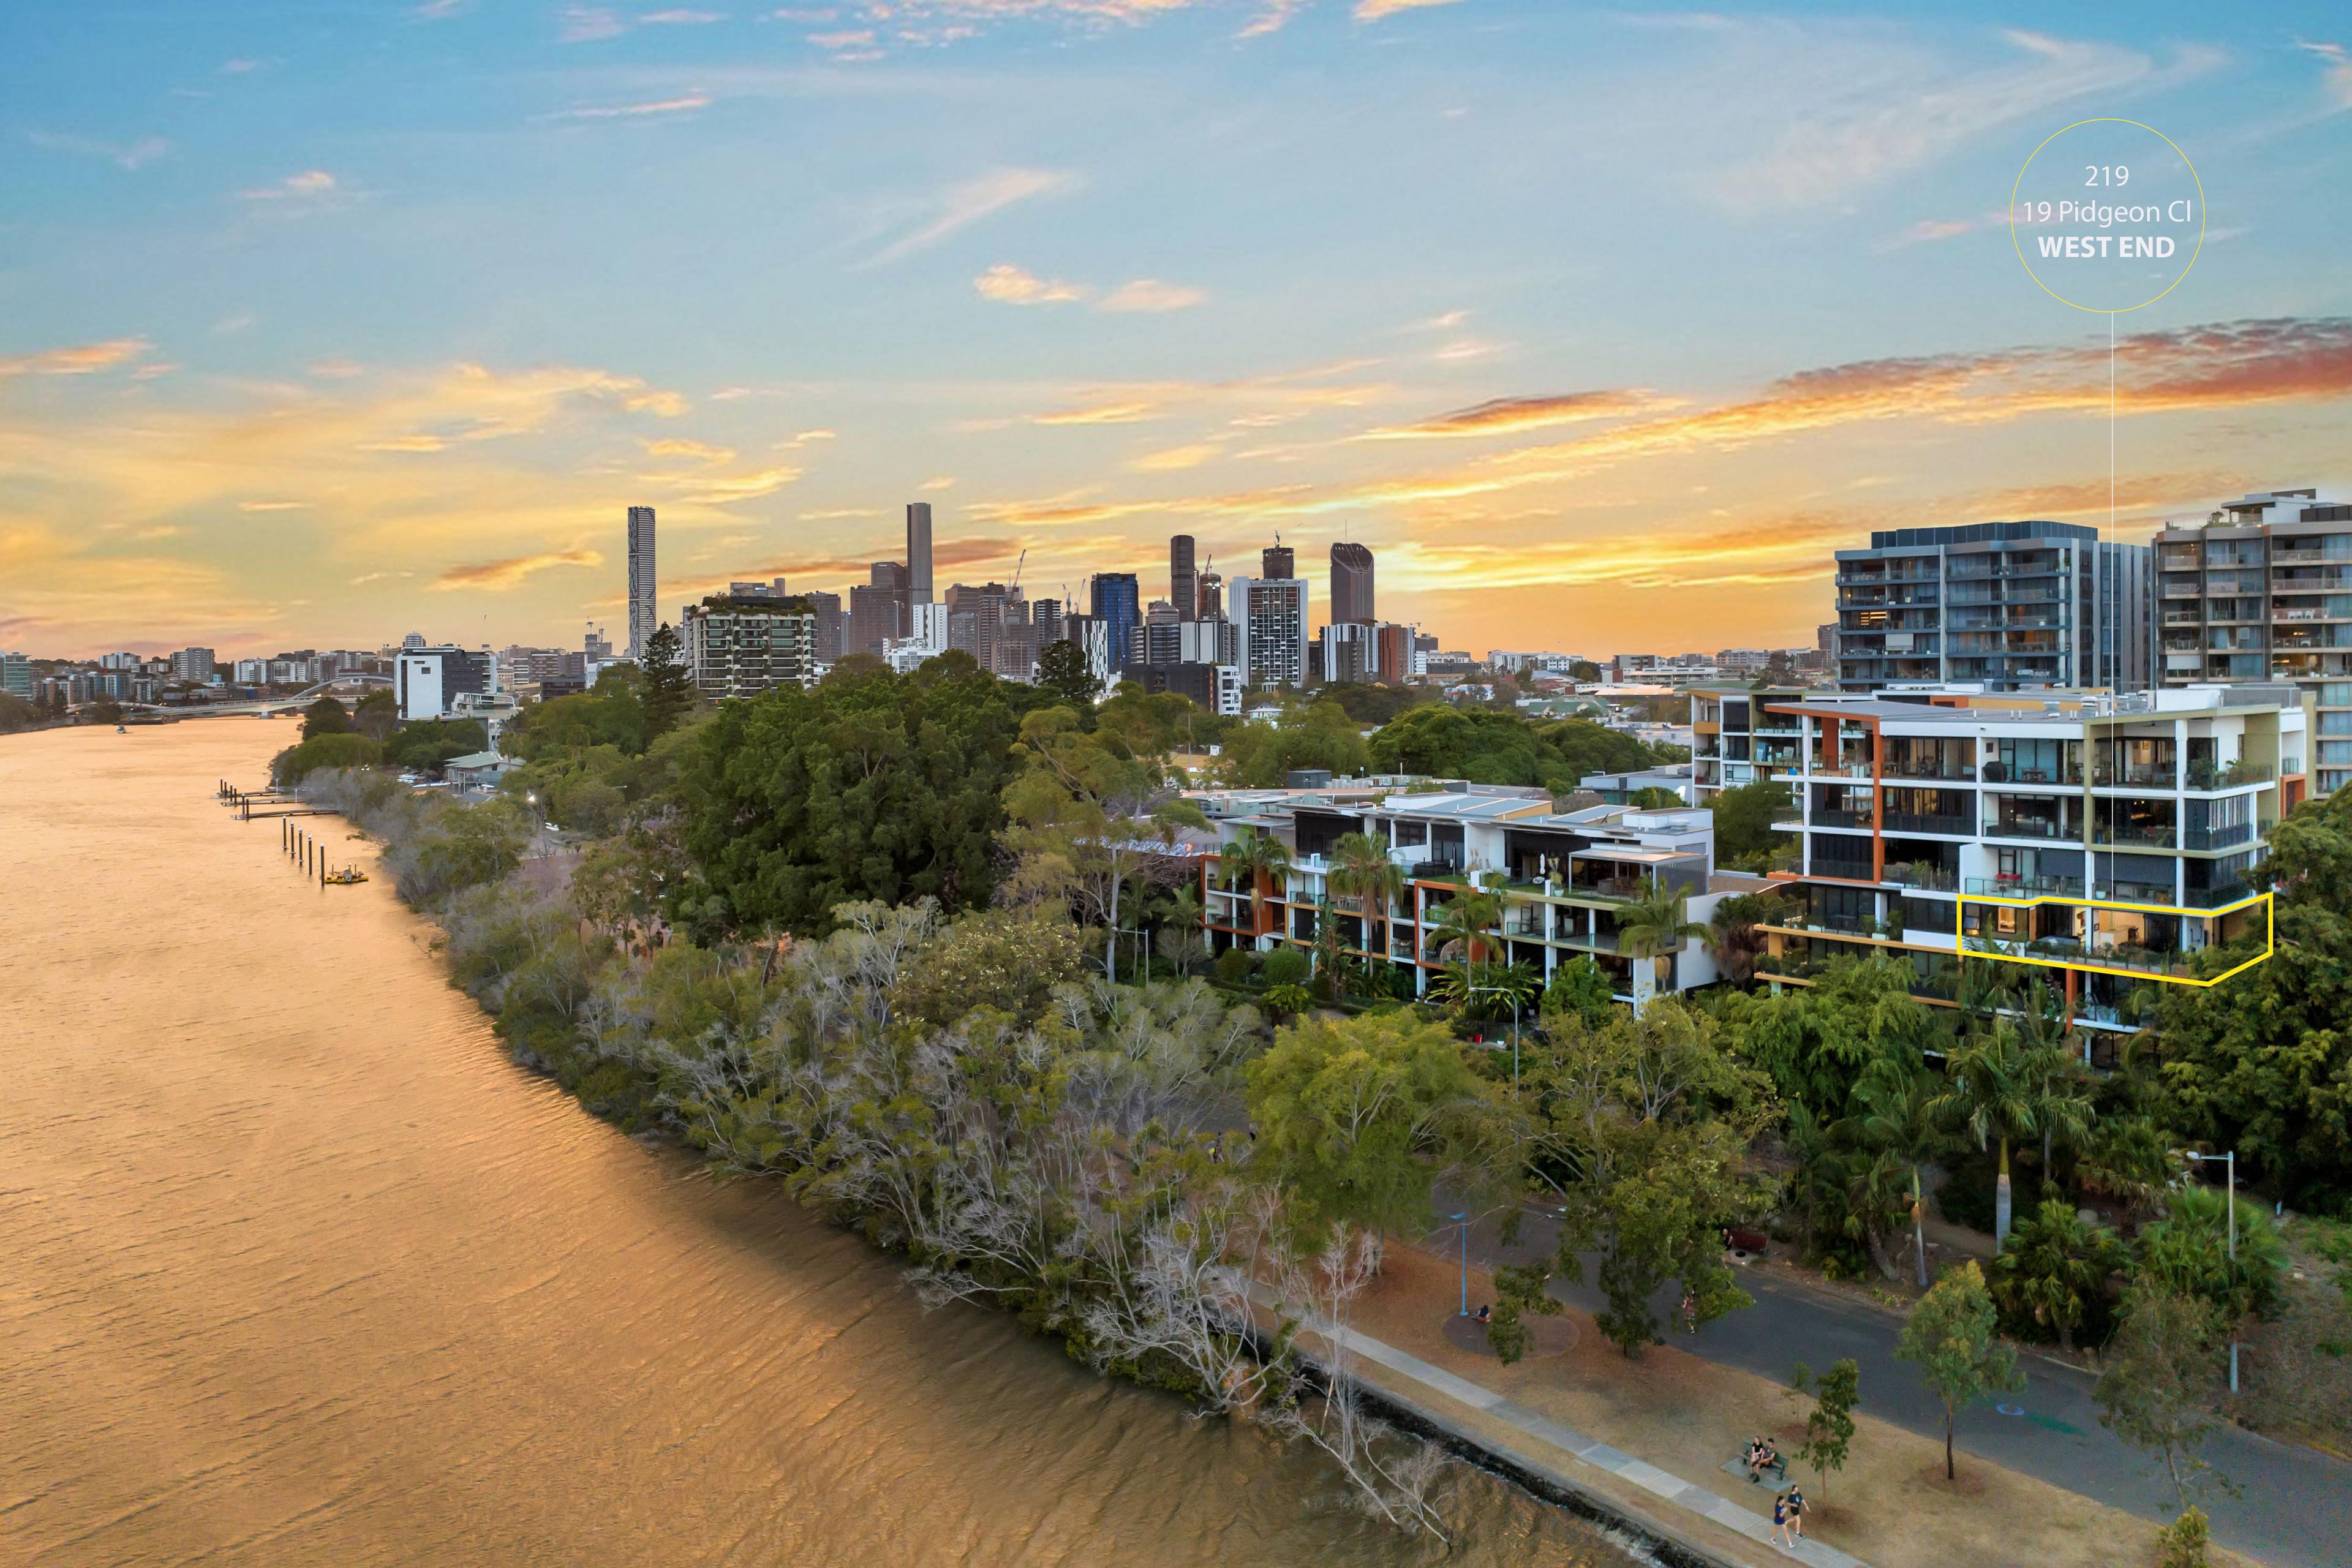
644	618
877	610
918	552
1279	561
1212	590
1183	582
1351	582
1119	603
1270	617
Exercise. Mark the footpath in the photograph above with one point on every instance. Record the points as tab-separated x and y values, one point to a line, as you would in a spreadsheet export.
1655	1443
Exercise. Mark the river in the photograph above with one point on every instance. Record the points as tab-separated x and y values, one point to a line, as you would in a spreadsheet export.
296	1267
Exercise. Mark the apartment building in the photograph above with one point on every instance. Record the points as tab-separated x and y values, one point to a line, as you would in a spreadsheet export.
2262	590
2023	827
2008	605
740	648
1566	874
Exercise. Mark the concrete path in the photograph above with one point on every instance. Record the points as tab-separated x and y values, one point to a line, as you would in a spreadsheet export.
1547	1438
2296	1512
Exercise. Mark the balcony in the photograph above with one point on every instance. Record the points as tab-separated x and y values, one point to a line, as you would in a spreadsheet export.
1823	818
2157	775
2204	775
2216	896
2216	837
2183	618
2065	950
2029	828
2024	887
2124	835
1612	887
1915	821
1924	874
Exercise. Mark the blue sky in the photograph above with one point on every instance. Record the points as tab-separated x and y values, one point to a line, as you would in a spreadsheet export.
320	324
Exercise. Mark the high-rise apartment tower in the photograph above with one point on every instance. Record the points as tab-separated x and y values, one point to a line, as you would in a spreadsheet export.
645	619
1183	580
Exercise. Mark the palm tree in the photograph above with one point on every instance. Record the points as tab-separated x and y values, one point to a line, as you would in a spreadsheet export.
1472	916
1656	925
2062	1106
2059	1266
1895	1119
1990	1097
1185	944
1259	857
1361	870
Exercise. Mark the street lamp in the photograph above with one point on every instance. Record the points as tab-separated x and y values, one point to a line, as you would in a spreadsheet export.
2230	1165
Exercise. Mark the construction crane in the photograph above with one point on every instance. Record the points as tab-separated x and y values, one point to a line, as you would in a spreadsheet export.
1016	572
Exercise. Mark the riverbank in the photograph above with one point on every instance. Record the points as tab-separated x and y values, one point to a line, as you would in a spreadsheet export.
305	1272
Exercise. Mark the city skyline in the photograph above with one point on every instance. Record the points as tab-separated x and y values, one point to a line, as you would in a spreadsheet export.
284	366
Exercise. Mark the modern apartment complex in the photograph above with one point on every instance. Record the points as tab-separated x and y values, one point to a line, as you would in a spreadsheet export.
1569	873
740	648
1270	614
2107	837
2262	590
2007	606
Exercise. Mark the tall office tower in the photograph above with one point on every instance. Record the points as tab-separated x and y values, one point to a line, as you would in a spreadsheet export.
1162	642
877	610
918	552
1351	582
2249	594
1117	604
644	617
1270	614
1183	582
1211	596
2009	605
977	612
1045	620
827	608
1278	561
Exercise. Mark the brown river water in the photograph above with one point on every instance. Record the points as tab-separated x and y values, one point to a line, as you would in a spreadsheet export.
296	1267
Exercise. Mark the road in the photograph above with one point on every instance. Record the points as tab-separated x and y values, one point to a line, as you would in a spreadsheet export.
2296	1511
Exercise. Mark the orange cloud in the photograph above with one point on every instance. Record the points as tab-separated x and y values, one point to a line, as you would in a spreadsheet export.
497	576
79	359
1507	415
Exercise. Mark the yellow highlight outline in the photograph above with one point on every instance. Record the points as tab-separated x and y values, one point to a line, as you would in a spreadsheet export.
2269	933
2019	183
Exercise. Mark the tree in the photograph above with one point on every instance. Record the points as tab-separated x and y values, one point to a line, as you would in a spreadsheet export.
1356	1117
16	714
1361	870
327	752
1733	936
1580	990
669	694
1653	927
870	786
2162	1375
1744	815
991	958
1062	670
376	714
1990	1097
1656	797
1828	1426
1642	1124
1471	918
432	744
325	716
2263	1065
1258	860
1519	1290
2055	1269
1949	1336
1090	822
1583	671
1316	734
2188	1252
2186	1543
1894	1116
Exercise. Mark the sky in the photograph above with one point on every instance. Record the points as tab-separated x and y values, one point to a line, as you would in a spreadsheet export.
324	323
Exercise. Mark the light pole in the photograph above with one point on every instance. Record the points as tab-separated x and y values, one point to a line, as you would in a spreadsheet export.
2230	1166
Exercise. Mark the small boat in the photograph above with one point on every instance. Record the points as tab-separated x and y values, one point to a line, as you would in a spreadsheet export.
345	878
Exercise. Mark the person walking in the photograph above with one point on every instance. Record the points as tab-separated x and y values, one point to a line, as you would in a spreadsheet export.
1796	1513
1781	1534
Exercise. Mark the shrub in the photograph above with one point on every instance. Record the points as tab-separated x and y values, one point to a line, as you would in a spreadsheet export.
1236	965
333	750
1008	961
1284	966
2185	1542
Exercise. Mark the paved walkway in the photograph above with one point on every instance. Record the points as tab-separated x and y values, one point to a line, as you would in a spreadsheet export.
1545	1440
2296	1509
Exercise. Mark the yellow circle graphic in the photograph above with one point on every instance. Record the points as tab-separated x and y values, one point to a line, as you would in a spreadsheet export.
2018	186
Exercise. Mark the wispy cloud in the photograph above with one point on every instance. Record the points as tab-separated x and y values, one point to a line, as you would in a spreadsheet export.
79	359
1149	294
135	154
1008	285
983	195
1509	415
587	25
311	185
685	103
497	576
1375	10
273	506
680	18
2336	75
